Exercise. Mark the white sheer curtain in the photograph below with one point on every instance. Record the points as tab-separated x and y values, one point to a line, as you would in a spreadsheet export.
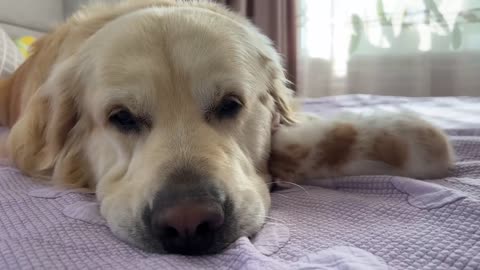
389	47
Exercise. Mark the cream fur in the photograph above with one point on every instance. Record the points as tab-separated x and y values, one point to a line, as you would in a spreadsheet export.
170	61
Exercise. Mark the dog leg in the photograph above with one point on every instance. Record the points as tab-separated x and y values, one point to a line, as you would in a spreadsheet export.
3	144
387	144
4	101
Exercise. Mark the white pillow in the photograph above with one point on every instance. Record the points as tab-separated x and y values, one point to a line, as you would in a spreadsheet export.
10	56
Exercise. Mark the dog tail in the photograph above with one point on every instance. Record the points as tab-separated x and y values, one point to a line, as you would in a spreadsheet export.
399	144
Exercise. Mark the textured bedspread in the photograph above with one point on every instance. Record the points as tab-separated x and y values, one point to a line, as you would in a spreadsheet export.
364	222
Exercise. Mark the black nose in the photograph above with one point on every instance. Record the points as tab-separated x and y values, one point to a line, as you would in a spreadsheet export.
188	214
189	227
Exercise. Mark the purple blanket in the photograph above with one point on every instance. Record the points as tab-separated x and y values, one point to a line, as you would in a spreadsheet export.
364	222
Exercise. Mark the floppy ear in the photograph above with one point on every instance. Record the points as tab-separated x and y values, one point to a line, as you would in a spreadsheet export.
282	96
279	91
46	140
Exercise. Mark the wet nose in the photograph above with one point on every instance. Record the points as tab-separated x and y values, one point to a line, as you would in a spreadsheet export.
189	227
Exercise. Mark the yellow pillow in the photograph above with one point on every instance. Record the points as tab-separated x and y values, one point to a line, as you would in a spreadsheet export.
24	44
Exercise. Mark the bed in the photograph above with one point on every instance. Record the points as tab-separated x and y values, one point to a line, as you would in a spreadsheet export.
361	222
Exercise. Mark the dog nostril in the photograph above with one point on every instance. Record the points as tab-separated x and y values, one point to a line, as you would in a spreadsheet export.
189	227
207	227
170	232
203	228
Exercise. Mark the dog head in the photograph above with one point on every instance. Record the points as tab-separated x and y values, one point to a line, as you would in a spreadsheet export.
167	114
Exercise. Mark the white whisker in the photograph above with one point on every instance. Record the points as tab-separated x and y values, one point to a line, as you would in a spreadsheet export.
283	195
295	185
279	221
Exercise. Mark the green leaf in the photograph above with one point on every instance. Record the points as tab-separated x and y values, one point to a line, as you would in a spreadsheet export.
456	36
381	14
357	24
354	42
432	6
469	16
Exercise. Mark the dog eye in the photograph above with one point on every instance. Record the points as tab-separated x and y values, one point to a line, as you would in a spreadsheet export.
124	120
229	107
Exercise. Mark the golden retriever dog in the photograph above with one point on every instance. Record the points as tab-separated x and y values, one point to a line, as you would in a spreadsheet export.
168	111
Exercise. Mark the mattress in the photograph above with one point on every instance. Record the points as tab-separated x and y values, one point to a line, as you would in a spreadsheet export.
358	222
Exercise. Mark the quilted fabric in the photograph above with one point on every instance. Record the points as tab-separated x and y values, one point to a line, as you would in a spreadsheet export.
10	56
363	222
